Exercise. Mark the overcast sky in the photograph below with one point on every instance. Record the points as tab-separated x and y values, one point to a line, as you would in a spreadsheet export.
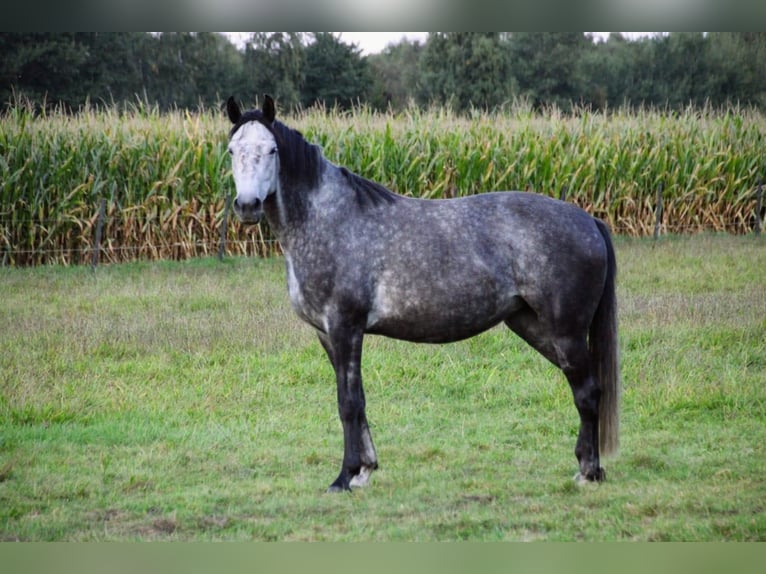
368	42
374	42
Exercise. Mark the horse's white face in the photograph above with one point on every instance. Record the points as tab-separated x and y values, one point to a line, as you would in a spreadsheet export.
255	167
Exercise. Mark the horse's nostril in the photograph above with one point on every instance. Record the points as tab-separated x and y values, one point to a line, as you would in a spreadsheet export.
249	211
253	205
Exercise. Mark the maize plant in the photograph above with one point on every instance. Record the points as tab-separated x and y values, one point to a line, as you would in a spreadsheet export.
164	177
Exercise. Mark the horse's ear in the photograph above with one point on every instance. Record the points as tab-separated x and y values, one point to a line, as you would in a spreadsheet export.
233	110
269	109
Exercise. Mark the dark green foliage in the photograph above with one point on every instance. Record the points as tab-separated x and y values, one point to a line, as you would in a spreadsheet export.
70	69
275	64
396	74
43	65
466	70
336	73
546	66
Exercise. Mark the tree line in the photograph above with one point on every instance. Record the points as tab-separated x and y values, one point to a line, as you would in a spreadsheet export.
465	70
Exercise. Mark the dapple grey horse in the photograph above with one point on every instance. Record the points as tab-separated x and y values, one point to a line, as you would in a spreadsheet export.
361	259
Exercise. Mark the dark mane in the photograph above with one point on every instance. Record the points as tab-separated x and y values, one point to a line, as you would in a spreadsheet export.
368	193
299	160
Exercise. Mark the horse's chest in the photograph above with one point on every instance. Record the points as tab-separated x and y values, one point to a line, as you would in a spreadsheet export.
305	296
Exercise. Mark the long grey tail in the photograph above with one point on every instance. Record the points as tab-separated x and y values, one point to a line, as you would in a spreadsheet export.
604	352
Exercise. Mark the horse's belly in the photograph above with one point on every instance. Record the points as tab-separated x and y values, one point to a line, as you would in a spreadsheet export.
436	318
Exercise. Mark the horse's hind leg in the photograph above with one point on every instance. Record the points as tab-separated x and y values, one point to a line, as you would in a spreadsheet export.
359	456
575	363
570	354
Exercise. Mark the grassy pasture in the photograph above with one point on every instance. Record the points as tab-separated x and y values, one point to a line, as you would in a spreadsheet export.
185	401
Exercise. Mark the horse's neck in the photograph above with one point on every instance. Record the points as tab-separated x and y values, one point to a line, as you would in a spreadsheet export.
288	210
299	210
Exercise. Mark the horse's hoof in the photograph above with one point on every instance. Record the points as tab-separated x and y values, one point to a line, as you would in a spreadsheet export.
590	478
363	478
340	485
335	488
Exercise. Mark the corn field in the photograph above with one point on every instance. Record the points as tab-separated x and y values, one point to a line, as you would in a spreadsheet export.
164	178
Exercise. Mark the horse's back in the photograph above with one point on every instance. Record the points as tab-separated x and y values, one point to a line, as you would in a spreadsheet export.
510	229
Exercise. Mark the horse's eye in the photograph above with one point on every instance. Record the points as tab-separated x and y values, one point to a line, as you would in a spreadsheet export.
230	151
273	151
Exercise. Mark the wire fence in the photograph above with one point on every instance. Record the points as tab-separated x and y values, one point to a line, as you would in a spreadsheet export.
119	237
110	253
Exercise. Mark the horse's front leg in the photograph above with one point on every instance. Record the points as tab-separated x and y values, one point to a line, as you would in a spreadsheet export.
344	348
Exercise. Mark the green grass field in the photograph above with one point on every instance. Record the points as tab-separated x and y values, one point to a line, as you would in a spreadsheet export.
185	401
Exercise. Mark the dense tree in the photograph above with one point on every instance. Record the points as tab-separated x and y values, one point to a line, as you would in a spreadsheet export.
169	80
396	75
737	67
546	66
47	67
275	63
607	72
336	73
682	69
171	69
114	67
218	69
465	69
189	69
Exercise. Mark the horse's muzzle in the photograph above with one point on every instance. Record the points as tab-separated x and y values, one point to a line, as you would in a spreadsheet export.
249	212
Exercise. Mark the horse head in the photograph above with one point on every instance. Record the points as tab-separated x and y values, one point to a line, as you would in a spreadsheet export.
254	158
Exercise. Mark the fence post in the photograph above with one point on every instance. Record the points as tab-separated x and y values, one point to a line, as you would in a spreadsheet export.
224	226
658	212
99	229
758	206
